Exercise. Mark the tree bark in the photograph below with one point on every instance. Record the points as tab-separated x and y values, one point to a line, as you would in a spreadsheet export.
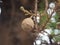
10	25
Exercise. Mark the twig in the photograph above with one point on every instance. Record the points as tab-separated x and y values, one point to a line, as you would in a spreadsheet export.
36	14
46	22
46	32
26	11
46	5
35	7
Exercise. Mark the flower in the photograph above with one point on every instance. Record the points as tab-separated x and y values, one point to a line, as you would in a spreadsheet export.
52	5
49	11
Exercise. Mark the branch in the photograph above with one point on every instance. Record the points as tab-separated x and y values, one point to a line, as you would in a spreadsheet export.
26	11
35	7
46	22
46	5
36	14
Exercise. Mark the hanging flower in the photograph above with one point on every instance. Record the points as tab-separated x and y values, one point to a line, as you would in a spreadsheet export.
52	5
38	17
53	19
49	11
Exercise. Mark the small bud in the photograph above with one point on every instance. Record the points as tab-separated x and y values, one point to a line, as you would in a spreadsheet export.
21	7
38	42
38	19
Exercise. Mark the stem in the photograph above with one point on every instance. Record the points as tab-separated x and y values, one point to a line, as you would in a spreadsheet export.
36	7
46	5
46	22
35	14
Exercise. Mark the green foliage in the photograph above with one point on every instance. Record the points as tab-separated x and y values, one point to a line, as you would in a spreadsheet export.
52	32
57	17
43	19
50	24
56	38
41	5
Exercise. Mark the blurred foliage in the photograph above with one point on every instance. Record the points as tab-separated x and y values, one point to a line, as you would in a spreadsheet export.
44	16
50	24
43	19
57	16
41	5
56	38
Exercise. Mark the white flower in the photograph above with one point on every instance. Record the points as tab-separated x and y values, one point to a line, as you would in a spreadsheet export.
49	11
38	19
54	14
53	19
38	42
52	5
